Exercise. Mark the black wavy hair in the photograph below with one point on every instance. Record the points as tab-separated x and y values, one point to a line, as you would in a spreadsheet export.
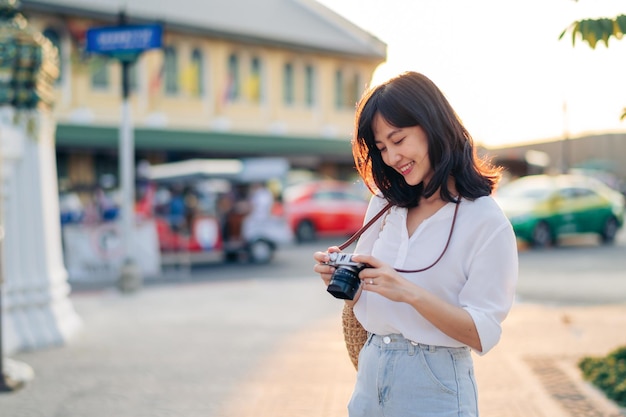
411	99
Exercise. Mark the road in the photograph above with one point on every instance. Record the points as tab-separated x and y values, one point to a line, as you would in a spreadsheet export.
579	271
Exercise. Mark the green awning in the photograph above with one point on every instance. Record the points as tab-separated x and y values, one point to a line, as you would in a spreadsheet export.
89	136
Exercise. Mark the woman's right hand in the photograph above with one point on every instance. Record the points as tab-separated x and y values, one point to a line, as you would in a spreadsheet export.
321	267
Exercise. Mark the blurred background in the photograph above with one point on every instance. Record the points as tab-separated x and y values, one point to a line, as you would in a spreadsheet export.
281	82
238	119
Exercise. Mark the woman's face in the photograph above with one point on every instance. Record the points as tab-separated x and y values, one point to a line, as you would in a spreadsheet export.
403	149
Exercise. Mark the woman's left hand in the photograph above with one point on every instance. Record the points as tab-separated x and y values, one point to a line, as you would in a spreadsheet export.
381	278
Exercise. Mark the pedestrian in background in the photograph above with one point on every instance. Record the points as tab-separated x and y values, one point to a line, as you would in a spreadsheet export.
441	263
261	202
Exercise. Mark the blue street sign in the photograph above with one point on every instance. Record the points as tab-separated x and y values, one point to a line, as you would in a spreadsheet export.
114	40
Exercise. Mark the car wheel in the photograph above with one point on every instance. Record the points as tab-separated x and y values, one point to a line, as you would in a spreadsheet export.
609	231
542	236
305	232
260	251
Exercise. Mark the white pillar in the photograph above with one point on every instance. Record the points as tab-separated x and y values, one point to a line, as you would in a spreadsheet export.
36	312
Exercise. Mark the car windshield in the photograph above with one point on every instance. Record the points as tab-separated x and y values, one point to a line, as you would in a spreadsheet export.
526	189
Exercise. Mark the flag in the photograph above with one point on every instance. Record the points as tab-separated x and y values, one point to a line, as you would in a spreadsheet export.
156	81
229	92
190	80
252	88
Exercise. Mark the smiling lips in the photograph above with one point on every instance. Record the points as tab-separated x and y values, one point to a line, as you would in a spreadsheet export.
405	169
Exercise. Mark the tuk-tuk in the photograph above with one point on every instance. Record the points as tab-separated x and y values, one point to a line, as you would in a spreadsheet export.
209	209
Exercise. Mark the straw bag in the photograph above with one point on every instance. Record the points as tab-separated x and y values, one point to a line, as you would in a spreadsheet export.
353	333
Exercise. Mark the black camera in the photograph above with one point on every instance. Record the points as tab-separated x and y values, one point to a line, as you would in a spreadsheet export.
345	281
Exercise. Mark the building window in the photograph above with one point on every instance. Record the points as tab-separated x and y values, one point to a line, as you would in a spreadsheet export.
253	85
354	90
348	89
55	39
171	71
339	90
234	79
309	86
288	84
99	68
193	76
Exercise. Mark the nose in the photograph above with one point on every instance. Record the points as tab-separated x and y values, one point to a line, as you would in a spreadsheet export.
393	155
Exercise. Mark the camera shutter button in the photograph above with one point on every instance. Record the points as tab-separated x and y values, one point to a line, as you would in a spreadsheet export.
386	340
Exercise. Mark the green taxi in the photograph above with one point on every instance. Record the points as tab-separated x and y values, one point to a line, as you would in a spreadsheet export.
543	208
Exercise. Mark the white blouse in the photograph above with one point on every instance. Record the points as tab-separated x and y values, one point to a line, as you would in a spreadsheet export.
478	271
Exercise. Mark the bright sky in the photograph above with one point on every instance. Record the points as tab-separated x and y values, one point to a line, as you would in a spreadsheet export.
501	64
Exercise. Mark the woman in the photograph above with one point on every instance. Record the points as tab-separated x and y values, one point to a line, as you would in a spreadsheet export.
412	150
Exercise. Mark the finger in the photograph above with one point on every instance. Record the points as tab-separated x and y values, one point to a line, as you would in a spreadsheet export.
366	259
321	257
323	269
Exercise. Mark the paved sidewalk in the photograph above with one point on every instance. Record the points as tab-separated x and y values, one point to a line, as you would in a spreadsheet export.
531	373
166	352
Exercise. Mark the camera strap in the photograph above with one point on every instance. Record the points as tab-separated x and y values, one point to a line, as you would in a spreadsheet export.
380	213
365	227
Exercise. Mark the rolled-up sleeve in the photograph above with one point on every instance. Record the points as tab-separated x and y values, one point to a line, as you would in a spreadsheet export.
489	291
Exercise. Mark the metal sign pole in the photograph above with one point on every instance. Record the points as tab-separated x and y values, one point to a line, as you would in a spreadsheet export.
130	276
127	157
126	43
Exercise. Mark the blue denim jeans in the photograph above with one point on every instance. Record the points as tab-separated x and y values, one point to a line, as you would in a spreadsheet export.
401	378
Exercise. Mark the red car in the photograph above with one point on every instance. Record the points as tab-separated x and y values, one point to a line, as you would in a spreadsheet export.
325	208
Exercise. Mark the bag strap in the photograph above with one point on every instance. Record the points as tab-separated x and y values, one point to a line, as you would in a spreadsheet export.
380	213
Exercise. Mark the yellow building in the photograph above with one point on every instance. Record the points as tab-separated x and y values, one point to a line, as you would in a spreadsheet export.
234	78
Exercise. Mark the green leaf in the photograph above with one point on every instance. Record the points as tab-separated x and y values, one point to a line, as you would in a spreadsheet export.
606	30
621	22
617	32
588	32
575	31
595	33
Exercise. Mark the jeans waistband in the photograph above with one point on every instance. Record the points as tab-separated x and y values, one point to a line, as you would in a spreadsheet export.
399	342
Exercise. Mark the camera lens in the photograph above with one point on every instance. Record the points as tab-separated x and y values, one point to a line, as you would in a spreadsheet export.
344	283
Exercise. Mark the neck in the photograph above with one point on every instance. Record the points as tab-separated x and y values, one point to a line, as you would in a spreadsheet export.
433	198
436	197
